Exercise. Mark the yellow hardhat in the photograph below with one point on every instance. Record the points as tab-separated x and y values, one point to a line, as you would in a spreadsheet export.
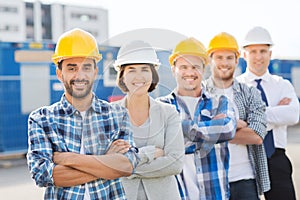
223	41
76	43
189	46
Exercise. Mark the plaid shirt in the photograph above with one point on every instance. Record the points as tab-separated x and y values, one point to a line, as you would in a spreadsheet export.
59	128
252	110
207	139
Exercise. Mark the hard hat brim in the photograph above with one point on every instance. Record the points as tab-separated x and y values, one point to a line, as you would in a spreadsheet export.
245	44
57	59
118	65
174	56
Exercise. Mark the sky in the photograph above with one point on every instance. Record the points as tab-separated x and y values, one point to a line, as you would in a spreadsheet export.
201	19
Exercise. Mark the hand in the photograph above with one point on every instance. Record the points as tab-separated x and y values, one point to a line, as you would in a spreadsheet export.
219	116
284	101
241	124
158	152
118	146
60	158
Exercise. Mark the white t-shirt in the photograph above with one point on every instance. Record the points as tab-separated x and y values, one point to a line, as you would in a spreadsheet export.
191	103
189	169
82	151
239	158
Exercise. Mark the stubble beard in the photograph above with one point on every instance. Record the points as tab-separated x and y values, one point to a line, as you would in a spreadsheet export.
78	94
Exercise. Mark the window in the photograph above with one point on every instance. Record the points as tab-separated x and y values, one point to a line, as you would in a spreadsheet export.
7	9
84	17
35	87
9	28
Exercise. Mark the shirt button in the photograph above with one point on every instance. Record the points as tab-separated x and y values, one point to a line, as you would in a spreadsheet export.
201	187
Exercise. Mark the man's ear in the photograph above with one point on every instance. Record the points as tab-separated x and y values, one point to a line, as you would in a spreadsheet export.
59	74
96	72
173	70
244	54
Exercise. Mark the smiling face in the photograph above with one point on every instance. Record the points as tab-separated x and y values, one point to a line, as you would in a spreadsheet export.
78	76
188	71
223	63
258	58
137	78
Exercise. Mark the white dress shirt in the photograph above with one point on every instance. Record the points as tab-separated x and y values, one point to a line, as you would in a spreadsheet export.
278	116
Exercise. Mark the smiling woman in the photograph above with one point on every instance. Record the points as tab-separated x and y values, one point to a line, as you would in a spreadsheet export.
137	78
156	126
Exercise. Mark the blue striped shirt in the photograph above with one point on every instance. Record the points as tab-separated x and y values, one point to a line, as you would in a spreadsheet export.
60	128
207	138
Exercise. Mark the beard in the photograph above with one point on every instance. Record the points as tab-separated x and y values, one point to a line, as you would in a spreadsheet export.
224	76
75	93
189	87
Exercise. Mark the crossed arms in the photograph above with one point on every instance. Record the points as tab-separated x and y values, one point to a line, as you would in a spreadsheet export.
74	169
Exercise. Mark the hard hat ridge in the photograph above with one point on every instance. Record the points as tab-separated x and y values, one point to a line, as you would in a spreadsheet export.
189	46
223	41
257	35
76	43
136	52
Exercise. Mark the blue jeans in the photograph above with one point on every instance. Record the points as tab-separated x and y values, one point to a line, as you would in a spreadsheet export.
243	190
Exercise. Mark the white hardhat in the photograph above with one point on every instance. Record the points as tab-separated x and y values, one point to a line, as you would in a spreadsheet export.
136	52
257	35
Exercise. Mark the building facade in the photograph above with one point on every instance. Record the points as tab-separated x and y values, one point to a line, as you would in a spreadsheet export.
36	21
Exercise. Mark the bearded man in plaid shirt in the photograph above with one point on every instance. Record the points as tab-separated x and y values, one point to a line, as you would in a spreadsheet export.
81	145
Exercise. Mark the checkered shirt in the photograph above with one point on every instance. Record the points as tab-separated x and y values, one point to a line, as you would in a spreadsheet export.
207	139
59	128
252	110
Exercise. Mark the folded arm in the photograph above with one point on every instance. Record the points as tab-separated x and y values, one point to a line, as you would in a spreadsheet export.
214	131
252	131
65	174
245	135
109	166
170	160
66	177
286	111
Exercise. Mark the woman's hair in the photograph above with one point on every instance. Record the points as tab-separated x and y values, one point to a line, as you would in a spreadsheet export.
120	77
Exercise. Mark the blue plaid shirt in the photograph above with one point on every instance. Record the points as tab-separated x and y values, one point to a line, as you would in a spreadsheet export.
207	140
60	128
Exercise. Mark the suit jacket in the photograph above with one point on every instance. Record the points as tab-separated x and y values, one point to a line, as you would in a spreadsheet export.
157	175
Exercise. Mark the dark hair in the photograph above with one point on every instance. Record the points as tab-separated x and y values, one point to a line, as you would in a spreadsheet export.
122	86
59	64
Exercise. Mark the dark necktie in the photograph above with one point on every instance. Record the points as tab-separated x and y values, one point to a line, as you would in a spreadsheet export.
269	140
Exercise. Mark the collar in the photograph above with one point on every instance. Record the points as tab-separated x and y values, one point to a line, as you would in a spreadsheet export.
204	93
209	85
70	109
252	77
